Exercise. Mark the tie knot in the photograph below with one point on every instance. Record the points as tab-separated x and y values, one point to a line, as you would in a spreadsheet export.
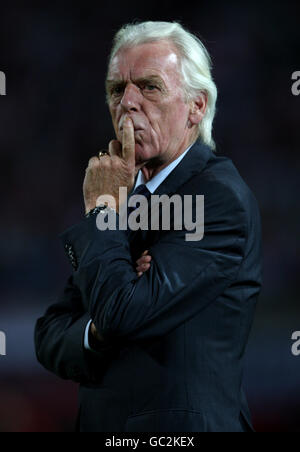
141	190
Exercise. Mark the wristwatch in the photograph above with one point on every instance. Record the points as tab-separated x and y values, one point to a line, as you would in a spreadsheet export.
102	208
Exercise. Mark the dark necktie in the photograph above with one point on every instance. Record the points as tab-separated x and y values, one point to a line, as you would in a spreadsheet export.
140	190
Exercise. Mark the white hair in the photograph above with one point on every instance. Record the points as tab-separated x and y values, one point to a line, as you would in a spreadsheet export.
194	58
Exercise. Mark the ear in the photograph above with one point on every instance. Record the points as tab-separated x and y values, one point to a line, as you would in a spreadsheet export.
198	108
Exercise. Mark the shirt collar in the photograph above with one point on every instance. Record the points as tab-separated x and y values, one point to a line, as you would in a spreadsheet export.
153	183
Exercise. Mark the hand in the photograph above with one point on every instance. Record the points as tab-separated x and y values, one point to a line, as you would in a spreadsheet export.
143	263
106	174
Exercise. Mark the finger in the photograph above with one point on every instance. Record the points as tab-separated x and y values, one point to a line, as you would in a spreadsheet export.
143	268
144	260
94	161
115	148
144	254
128	142
142	265
140	274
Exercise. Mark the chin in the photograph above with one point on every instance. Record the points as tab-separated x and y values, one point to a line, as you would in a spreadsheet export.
139	153
143	153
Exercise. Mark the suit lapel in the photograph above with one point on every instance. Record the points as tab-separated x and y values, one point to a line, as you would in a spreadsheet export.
193	163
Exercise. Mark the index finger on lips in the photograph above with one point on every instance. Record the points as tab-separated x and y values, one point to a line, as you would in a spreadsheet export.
128	142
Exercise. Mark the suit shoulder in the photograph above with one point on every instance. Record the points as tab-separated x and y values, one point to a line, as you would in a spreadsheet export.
220	178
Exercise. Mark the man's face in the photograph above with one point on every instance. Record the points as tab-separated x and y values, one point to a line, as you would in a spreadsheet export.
144	82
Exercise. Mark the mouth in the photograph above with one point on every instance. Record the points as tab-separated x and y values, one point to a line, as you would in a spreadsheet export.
138	135
136	129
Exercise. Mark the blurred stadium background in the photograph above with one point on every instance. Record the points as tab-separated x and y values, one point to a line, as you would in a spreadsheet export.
54	118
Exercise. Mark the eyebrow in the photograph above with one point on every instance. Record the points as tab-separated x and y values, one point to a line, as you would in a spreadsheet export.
111	83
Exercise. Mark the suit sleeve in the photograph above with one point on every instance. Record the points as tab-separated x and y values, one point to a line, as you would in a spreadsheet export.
183	279
59	337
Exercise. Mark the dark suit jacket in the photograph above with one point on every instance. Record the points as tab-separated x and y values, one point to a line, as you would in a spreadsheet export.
175	338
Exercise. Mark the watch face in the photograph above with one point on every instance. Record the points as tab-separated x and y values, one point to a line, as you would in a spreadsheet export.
100	209
96	210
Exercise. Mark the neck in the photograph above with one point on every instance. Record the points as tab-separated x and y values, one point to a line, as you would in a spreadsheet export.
153	166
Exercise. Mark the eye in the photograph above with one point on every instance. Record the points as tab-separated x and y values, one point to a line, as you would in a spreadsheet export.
116	90
150	87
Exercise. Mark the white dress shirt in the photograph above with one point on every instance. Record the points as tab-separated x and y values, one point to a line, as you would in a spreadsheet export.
152	185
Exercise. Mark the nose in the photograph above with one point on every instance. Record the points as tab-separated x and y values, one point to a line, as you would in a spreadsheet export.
131	100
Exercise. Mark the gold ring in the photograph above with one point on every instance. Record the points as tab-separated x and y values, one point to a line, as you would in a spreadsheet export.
103	153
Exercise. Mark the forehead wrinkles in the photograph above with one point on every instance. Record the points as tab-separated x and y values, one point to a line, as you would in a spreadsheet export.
136	63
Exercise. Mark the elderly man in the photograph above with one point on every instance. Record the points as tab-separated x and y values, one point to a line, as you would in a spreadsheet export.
154	327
